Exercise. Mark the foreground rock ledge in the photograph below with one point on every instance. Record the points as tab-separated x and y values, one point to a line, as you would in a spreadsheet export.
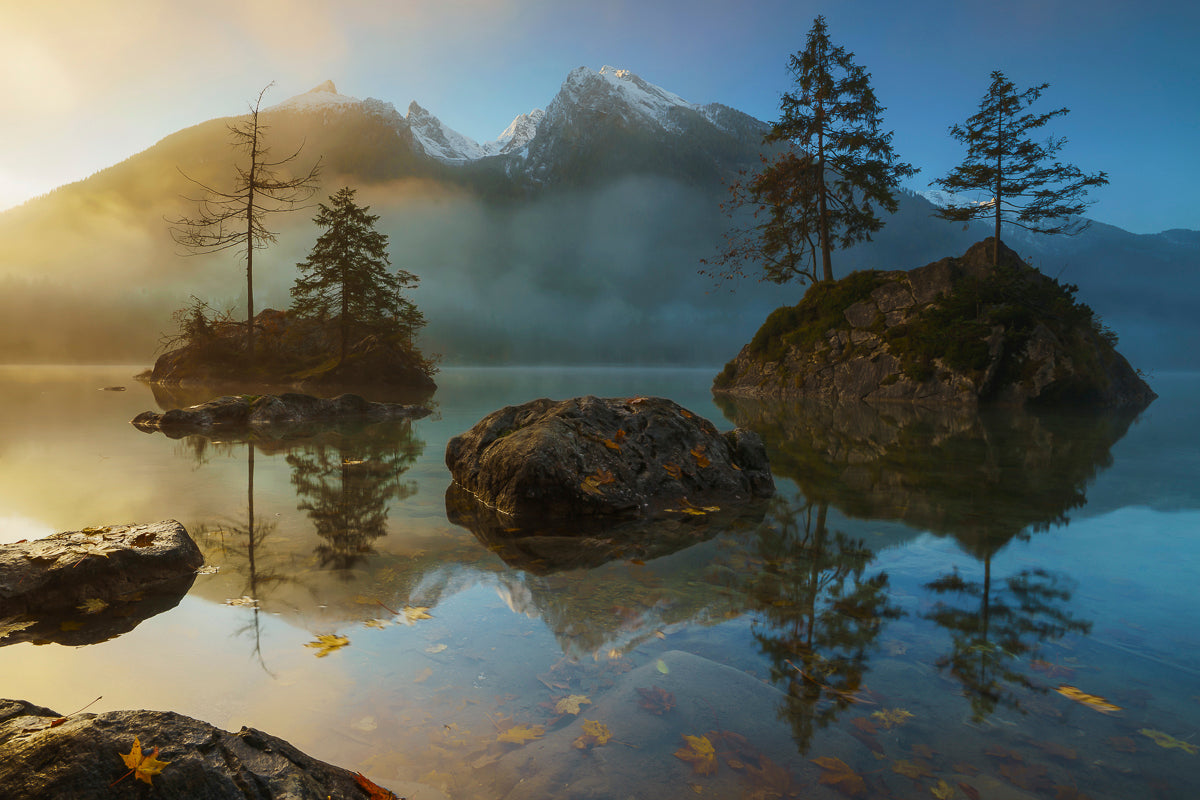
594	456
65	570
81	757
243	412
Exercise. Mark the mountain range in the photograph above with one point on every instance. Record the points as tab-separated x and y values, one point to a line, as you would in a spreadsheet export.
574	236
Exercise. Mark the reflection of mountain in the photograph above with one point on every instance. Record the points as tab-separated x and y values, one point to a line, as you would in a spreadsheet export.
981	477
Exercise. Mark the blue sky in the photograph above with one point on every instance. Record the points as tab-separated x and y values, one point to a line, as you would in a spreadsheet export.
87	84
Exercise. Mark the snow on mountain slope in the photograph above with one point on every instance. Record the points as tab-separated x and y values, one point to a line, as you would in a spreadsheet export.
517	135
439	140
324	97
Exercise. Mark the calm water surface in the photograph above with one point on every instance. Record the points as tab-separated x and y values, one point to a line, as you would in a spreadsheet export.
936	604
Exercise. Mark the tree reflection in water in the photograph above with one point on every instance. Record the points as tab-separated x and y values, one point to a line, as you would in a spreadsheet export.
345	483
818	611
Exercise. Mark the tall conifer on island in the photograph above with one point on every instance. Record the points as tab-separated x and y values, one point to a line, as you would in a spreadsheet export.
823	188
237	218
1011	168
346	275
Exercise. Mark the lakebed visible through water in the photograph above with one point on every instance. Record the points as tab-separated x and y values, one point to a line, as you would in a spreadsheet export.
936	604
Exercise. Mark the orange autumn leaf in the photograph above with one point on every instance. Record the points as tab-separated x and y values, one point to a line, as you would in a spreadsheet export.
595	734
571	703
592	483
143	766
374	791
701	459
657	701
611	445
520	734
837	773
672	470
911	769
700	753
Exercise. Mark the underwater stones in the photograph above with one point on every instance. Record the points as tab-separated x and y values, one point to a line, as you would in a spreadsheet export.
66	570
43	754
589	456
249	412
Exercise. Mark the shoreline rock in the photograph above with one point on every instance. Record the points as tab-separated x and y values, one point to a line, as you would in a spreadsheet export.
48	755
594	457
954	332
63	571
287	410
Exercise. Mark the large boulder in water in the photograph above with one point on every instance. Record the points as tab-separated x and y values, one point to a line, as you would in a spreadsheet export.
590	456
83	756
958	331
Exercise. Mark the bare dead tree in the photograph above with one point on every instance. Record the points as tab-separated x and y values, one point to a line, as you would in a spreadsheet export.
236	218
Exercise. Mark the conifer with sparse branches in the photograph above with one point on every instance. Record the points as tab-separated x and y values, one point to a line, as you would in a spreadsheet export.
1022	188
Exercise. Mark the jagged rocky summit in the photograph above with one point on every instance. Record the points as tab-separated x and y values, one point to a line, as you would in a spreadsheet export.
606	457
957	331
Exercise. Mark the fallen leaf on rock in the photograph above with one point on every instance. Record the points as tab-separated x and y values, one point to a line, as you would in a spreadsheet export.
595	734
1166	740
571	703
672	470
700	753
1089	700
701	459
326	643
373	791
611	445
837	773
520	734
656	700
890	718
592	483
414	613
143	767
93	605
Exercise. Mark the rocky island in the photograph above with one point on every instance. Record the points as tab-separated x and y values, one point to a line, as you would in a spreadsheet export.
958	331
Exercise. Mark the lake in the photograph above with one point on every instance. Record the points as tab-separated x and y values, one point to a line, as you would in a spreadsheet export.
942	604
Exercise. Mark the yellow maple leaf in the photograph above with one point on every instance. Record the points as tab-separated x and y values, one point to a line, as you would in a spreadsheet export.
700	753
892	717
571	703
595	734
414	613
326	643
520	734
144	766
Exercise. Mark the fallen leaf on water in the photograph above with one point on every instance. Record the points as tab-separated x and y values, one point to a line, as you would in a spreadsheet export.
942	791
700	753
656	700
571	703
326	643
241	601
912	769
970	791
373	791
414	613
1089	700
93	605
1057	750
435	648
661	666
659	635
520	734
595	734
143	766
374	623
423	675
923	751
837	773
1166	740
890	718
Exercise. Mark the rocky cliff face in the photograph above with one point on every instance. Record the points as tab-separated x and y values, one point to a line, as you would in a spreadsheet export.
956	331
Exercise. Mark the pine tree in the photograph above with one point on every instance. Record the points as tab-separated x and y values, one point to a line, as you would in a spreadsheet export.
1022	188
836	167
346	275
237	218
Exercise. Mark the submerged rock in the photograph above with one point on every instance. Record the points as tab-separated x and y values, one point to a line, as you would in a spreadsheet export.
957	331
590	456
290	409
64	571
45	755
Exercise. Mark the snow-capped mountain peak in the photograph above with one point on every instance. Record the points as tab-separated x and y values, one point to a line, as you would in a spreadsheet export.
620	89
516	137
322	97
439	140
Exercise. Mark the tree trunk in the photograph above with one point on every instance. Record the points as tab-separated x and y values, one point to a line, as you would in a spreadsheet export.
822	207
999	156
250	245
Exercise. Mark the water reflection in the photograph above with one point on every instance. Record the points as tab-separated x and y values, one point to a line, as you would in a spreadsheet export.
984	478
818	611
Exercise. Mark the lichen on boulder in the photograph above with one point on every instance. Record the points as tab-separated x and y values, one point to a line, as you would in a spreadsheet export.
589	456
957	331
